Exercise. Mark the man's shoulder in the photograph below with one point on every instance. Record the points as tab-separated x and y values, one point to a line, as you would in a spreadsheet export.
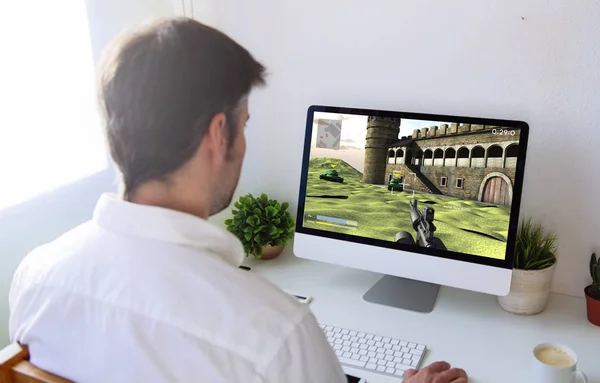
41	259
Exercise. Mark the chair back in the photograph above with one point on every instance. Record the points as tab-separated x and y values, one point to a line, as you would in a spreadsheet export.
16	368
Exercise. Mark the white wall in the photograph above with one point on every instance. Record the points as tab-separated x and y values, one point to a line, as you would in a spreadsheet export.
28	225
534	60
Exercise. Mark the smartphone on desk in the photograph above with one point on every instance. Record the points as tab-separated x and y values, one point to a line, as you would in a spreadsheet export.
355	379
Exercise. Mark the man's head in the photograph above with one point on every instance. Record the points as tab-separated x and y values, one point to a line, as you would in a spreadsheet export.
174	96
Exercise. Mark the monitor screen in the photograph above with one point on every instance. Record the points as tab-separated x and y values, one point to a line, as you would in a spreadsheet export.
441	185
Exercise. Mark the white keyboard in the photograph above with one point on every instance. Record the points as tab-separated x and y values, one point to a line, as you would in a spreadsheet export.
374	353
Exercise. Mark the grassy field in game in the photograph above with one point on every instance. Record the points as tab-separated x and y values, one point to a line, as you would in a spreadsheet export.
462	225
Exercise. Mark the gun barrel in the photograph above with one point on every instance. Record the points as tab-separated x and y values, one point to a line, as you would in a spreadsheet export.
415	215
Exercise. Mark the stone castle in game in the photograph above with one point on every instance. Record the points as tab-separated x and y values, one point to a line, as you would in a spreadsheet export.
474	162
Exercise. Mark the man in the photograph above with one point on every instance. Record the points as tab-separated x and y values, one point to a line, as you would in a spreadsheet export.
148	290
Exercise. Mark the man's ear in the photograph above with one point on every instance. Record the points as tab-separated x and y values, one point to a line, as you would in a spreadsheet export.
217	136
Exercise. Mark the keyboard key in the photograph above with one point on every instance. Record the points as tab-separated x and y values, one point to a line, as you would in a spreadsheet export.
356	356
371	342
389	358
362	352
371	366
373	360
397	360
337	347
386	340
346	337
405	349
389	352
346	348
372	348
399	373
369	336
388	346
352	362
412	345
379	344
403	343
344	331
395	341
336	329
354	350
353	333
361	335
390	364
371	354
381	362
404	361
377	338
420	347
362	341
363	347
381	368
416	352
390	370
364	359
346	354
353	339
407	355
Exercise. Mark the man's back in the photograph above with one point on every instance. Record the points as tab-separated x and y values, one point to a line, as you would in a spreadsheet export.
150	294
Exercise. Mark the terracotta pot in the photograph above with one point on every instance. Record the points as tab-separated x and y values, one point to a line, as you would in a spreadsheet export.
270	252
529	291
593	307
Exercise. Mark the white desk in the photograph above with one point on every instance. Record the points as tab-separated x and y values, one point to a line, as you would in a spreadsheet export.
466	329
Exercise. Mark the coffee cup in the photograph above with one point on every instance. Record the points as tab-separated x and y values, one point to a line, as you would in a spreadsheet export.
556	363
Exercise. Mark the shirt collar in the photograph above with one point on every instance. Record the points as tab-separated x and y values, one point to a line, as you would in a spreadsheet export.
167	225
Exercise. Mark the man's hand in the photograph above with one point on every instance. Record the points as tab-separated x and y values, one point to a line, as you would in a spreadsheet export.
438	372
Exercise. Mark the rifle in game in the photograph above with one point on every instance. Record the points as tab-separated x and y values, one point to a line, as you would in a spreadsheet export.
423	224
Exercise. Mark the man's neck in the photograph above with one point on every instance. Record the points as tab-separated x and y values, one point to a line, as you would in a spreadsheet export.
171	197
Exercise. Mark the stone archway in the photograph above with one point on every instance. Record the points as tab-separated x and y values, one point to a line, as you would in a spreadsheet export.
496	188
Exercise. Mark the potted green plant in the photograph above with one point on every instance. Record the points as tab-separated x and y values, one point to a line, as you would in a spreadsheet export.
263	225
592	292
533	270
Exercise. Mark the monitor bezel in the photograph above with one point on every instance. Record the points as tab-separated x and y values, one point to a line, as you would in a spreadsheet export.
506	263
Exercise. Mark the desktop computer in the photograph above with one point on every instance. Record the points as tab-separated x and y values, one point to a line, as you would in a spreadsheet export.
425	199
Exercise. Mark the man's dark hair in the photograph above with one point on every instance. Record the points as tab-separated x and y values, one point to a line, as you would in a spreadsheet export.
159	89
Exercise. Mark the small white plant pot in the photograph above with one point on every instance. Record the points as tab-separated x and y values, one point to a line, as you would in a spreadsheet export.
529	291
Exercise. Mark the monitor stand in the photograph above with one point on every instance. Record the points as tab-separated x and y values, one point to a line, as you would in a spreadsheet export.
403	293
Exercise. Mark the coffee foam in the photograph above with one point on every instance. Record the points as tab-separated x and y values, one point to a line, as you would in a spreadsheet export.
554	357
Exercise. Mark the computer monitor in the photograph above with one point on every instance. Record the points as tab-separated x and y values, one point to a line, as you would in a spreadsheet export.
425	199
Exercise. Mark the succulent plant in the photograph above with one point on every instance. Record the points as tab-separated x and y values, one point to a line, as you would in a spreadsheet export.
259	222
534	249
595	273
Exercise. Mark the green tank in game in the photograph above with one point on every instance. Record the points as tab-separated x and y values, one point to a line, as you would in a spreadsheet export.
331	175
396	184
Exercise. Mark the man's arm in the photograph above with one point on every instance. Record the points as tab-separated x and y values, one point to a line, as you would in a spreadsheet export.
304	357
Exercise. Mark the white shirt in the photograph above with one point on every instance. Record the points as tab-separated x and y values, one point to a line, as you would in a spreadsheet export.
147	294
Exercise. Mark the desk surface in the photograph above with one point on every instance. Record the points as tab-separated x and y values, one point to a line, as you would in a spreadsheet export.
466	329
